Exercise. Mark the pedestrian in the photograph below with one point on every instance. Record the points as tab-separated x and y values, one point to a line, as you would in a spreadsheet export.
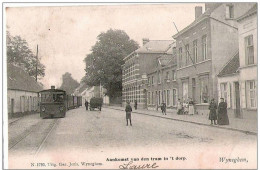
128	110
135	104
179	107
191	107
163	108
86	104
213	112
222	113
186	107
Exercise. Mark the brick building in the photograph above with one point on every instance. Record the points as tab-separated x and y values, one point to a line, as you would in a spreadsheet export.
137	65
162	83
203	48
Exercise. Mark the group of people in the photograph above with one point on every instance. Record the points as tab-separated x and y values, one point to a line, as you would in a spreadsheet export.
218	113
185	107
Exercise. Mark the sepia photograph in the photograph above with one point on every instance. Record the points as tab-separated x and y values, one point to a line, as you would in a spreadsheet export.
134	85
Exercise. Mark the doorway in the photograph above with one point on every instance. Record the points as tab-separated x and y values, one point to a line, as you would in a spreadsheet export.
237	101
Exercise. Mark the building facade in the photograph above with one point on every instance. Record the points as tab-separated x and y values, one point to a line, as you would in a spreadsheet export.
162	81
228	85
137	65
202	49
22	92
247	28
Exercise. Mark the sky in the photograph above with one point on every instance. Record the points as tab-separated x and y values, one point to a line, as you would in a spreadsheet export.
65	34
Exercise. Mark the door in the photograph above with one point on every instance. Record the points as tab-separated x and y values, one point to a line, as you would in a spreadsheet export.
237	100
12	107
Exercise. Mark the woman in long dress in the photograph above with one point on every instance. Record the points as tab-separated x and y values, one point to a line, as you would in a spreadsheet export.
222	113
191	107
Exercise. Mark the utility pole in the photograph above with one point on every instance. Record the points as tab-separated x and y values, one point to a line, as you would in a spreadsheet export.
36	63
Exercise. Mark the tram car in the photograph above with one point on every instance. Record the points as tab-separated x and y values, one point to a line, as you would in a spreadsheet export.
73	102
55	102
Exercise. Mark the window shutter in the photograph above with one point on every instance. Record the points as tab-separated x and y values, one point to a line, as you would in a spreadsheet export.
228	95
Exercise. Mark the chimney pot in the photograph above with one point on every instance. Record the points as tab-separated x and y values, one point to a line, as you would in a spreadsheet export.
198	11
145	40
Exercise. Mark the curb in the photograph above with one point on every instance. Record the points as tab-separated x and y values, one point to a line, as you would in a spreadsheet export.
186	121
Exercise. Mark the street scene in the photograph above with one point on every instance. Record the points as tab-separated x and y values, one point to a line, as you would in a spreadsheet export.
87	134
140	86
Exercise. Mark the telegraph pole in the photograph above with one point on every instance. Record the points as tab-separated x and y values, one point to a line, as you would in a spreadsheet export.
36	63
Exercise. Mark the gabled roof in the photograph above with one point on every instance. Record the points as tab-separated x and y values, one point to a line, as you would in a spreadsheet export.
83	86
206	14
156	46
250	12
231	67
18	79
163	61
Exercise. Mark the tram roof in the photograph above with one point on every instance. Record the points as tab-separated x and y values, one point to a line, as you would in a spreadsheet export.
53	90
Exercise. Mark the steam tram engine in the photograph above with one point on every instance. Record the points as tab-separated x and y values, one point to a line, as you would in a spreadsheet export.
54	103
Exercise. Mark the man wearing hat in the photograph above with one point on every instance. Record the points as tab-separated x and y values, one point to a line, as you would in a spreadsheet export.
213	112
128	110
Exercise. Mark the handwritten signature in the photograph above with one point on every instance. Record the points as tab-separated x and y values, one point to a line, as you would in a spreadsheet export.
130	165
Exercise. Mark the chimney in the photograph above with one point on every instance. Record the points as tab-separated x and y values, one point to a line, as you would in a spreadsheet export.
198	11
52	87
145	40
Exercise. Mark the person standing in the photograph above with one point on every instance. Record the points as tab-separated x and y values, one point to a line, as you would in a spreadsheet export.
222	113
135	104
163	108
86	104
191	107
213	112
128	110
179	107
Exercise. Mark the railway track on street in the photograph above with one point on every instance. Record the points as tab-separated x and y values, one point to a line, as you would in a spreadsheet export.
34	137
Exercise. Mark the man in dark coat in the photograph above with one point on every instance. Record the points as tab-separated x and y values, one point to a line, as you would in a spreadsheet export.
86	104
213	112
135	104
163	108
128	110
222	113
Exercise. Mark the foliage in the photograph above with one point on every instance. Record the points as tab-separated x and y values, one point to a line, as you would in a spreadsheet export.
103	64
68	83
19	53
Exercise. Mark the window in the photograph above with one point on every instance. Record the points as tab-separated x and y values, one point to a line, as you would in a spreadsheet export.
251	96
173	75
223	90
152	98
249	49
164	96
180	57
174	97
195	51
152	80
185	90
229	11
168	97
156	96
159	77
167	75
204	47
204	91
149	97
148	80
187	54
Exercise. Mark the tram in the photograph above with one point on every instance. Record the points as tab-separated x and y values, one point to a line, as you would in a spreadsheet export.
54	103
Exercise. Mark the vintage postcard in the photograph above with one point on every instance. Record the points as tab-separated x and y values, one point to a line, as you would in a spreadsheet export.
130	85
